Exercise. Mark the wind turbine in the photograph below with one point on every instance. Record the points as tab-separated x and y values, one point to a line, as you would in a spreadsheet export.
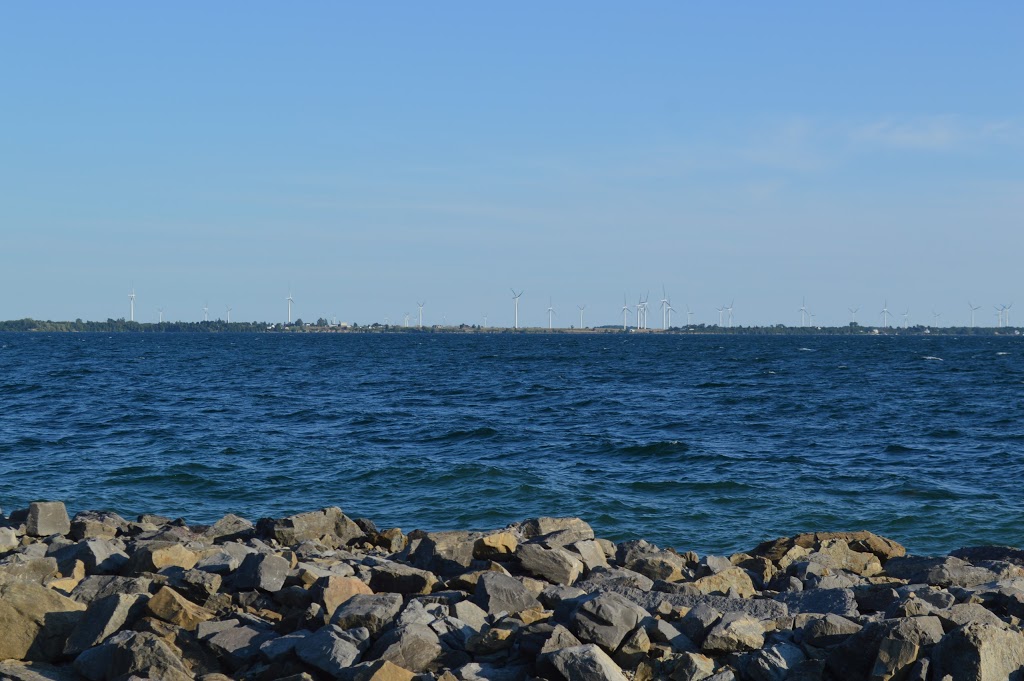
669	310
515	297
906	319
131	302
582	308
885	315
1006	312
420	306
664	309
973	310
229	313
803	312
551	313
689	316
485	320
206	312
625	312
999	316
853	314
935	318
160	311
729	309
290	301
721	310
407	320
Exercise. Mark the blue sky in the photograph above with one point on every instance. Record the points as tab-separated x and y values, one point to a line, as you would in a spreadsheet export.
369	156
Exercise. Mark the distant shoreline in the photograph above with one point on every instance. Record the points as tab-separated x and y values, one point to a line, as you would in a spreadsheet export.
29	325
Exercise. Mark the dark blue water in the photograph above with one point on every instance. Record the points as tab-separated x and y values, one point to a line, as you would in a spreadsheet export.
710	443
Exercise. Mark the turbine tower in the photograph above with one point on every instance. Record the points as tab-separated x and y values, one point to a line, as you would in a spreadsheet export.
551	313
290	302
853	314
420	306
669	310
206	312
515	297
664	309
935	318
1006	312
582	308
974	308
625	312
689	316
721	310
729	309
229	313
803	312
407	320
160	311
131	302
885	315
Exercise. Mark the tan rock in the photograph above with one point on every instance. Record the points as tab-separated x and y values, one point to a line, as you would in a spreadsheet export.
894	660
332	591
493	545
170	606
67	583
732	579
25	608
158	555
383	670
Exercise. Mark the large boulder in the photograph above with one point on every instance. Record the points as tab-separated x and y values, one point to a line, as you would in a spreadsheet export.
862	541
585	663
128	654
332	591
445	553
979	652
35	622
943	571
330	649
104	618
606	620
392	577
731	582
415	647
46	518
555	564
372	611
96	525
328	523
734	633
171	607
262	571
560	530
496	592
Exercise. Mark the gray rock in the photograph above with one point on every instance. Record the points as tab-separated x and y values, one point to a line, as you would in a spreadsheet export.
8	540
475	671
837	601
329	650
921	631
654	601
239	645
46	518
692	667
606	620
585	663
414	647
226	560
35	622
265	572
666	633
445	553
196	585
894	660
101	586
828	631
979	652
965	613
556	565
496	592
96	525
229	528
23	568
283	646
392	577
874	597
15	670
615	578
569	529
104	618
130	652
943	571
315	525
977	554
772	664
374	612
735	632
418	612
473	615
698	622
590	553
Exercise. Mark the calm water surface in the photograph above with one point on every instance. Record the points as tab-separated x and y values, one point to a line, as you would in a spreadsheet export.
704	443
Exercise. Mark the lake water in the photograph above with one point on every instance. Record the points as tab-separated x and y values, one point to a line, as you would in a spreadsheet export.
709	443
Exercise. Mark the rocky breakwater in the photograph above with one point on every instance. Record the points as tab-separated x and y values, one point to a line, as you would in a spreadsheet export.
321	596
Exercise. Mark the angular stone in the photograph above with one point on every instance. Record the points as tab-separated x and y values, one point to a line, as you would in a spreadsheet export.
666	633
329	650
772	664
445	553
372	611
659	567
196	585
262	571
979	652
585	663
104	618
239	645
16	670
698	621
100	586
732	582
921	631
96	525
414	647
734	633
128	653
223	559
556	565
155	556
863	541
692	667
46	518
171	607
837	601
229	528
828	631
837	555
613	579
314	525
591	553
496	593
29	569
606	620
943	571
8	540
495	545
633	649
332	591
381	670
282	646
35	621
965	613
569	529
894	660
389	576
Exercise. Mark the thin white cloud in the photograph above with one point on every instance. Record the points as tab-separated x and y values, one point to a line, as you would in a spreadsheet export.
935	133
